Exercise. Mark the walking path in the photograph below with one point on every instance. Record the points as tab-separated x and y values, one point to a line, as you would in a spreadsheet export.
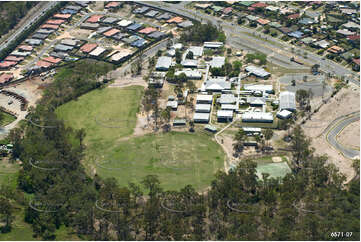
230	159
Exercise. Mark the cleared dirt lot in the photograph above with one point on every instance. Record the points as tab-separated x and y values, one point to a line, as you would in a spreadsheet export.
344	102
350	136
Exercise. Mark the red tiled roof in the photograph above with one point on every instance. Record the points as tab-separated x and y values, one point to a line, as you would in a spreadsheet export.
259	5
7	64
14	58
25	47
356	61
353	37
111	32
263	21
52	60
62	16
293	16
49	26
55	21
335	49
112	5
43	64
227	10
94	18
5	77
175	20
88	47
147	30
250	8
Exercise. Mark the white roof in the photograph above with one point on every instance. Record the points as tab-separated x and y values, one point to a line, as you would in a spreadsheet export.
257	116
345	32
284	113
272	8
217	61
189	62
212	44
262	88
163	62
121	54
322	43
172	104
203	107
287	100
225	113
189	73
177	46
228	107
227	99
201	116
171	52
97	51
350	24
125	23
251	129
258	71
256	100
197	50
204	98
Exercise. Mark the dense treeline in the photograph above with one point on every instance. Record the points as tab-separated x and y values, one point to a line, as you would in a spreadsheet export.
308	204
11	13
200	33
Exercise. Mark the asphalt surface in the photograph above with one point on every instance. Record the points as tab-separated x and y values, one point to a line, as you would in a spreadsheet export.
336	129
281	50
27	25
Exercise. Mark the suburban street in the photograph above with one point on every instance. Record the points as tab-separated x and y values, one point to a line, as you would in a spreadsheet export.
336	129
27	25
281	50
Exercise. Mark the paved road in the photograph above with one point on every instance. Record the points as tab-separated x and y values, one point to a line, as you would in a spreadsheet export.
27	25
281	49
336	129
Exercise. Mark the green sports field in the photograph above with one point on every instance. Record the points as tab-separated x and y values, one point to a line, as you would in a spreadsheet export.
109	116
274	169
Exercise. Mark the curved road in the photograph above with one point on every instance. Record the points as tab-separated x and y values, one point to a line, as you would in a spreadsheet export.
336	129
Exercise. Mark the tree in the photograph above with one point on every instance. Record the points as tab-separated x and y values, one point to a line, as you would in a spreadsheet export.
302	97
6	214
80	135
178	56
300	146
268	134
314	68
189	55
190	85
239	138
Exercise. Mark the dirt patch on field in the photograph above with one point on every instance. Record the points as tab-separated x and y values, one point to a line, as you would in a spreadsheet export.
343	103
128	81
350	136
31	89
80	33
277	159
